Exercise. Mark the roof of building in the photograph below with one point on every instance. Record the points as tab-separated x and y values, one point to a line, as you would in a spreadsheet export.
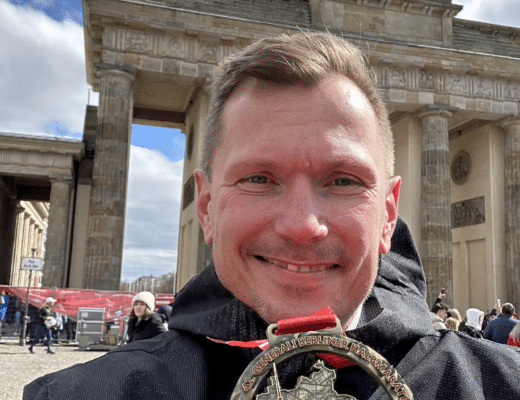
286	12
486	38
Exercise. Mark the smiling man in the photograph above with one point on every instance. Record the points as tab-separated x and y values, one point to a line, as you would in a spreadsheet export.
298	206
297	196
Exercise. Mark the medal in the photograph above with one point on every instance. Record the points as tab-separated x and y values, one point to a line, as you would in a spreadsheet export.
331	345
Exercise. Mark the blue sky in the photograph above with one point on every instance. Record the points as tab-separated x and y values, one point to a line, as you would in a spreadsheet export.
43	91
166	141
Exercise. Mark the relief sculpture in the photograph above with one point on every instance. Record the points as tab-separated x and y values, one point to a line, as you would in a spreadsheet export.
427	81
457	84
483	87
468	212
137	41
174	47
208	52
514	90
396	78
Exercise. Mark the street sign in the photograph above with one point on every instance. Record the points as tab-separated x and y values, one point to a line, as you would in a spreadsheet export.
33	264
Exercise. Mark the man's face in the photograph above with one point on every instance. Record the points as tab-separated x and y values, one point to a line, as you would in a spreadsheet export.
299	207
442	313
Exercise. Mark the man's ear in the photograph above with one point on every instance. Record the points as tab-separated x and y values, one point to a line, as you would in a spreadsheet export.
391	214
203	204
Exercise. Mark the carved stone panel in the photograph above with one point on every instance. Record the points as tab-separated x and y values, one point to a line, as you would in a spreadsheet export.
468	212
427	81
513	90
208	52
457	84
483	87
460	167
397	77
174	47
137	41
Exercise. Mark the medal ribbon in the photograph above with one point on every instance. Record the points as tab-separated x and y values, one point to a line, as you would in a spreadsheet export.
322	319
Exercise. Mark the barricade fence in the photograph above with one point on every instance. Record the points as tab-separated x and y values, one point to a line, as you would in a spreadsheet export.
116	307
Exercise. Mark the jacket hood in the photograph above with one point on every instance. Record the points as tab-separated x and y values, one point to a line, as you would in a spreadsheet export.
473	315
395	311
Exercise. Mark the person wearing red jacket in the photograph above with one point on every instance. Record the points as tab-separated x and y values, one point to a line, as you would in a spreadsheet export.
514	336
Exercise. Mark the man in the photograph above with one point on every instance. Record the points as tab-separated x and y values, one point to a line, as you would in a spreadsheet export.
438	315
297	197
498	330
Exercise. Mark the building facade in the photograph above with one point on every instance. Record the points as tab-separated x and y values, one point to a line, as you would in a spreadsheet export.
452	88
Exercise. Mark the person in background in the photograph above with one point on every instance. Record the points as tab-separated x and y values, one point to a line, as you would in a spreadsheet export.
57	329
438	315
439	298
472	323
452	323
454	313
514	336
491	314
499	329
4	301
144	323
47	321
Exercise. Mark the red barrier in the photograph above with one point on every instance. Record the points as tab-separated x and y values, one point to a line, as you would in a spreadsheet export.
70	300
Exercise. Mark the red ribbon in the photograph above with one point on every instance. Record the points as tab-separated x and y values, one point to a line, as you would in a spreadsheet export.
322	319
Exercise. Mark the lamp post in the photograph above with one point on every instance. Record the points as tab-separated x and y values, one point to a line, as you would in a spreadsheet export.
24	329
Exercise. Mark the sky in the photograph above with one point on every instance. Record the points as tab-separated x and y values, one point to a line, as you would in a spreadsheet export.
43	91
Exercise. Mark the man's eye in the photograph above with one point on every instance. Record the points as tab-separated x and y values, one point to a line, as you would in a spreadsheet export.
257	179
343	182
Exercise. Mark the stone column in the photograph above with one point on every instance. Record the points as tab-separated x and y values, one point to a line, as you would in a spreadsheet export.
17	278
57	233
436	204
106	221
7	229
512	208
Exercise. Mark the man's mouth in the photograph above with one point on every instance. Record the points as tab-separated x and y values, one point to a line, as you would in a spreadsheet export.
298	268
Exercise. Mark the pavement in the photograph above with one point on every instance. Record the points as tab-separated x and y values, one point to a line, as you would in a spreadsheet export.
19	367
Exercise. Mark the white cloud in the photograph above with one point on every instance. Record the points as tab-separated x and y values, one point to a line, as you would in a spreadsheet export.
43	86
500	12
43	90
152	214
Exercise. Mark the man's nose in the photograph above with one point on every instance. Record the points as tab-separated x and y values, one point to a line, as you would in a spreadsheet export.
299	216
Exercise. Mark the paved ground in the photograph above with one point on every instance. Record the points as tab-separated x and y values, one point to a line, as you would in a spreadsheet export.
19	367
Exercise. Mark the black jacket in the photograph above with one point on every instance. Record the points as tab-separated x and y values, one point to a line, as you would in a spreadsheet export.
395	321
43	314
146	328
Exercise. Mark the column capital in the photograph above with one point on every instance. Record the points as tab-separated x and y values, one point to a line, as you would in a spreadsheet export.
436	109
509	121
123	71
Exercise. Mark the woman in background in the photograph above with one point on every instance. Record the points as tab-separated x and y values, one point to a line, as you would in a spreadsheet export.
452	323
47	321
144	323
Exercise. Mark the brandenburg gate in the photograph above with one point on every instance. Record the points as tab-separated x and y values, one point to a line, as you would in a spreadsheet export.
452	88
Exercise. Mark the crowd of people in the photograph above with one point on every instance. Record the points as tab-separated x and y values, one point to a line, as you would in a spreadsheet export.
46	326
499	324
12	310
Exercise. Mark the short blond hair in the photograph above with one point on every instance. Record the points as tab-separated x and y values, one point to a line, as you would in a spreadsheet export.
302	59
